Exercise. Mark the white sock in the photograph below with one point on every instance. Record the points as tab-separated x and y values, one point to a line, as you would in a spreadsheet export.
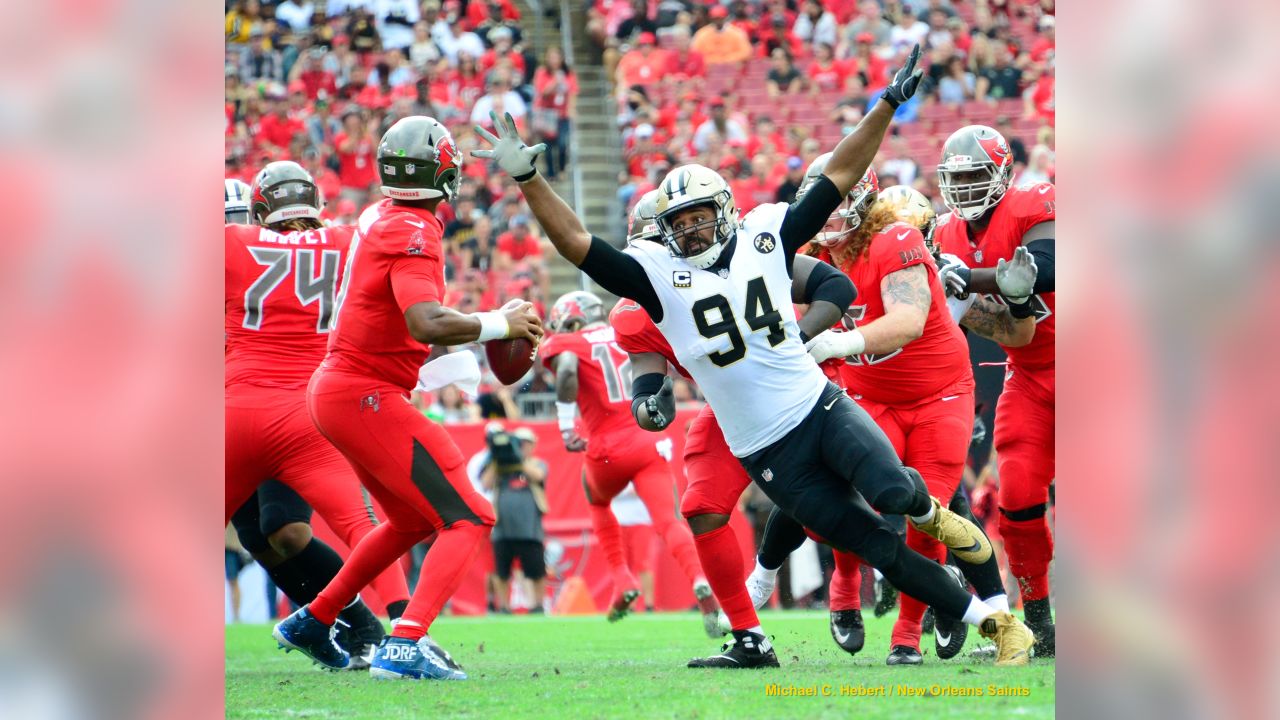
978	611
999	602
771	575
925	517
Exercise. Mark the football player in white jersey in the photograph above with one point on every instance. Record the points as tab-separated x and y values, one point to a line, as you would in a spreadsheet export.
719	293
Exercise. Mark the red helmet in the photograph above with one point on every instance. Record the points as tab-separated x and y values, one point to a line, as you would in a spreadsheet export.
575	310
976	170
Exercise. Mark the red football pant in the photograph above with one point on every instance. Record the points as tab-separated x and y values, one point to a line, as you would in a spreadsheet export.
269	434
642	466
716	482
1024	451
416	472
934	439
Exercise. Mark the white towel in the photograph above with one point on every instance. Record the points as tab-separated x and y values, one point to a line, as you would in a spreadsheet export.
457	368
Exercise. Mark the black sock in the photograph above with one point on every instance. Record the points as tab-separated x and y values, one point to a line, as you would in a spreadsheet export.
985	577
1038	612
782	535
396	609
927	581
304	575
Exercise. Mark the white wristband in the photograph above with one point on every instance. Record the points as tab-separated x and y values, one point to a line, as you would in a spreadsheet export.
854	343
493	326
566	413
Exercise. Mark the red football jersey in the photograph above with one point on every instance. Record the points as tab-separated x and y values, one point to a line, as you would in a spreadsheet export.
280	298
396	261
604	379
635	332
1020	209
932	365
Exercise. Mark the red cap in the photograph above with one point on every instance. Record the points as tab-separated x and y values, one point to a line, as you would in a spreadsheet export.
717	102
718	12
297	86
865	37
647	38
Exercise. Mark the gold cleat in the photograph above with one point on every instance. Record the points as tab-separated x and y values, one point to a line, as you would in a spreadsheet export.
1013	639
964	538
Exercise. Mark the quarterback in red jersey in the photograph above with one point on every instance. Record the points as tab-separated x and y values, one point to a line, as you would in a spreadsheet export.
389	316
990	224
594	374
280	285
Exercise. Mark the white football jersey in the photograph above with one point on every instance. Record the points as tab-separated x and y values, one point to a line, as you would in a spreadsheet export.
737	335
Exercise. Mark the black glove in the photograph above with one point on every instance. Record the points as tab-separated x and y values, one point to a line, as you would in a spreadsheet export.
662	406
905	81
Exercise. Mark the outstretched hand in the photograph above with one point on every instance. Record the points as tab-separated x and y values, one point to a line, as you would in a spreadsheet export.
905	81
514	157
1017	278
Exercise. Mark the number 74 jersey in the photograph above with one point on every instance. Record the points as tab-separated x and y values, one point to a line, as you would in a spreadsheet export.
280	293
736	332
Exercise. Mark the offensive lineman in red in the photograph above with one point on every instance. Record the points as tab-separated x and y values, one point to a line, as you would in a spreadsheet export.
592	369
389	315
280	285
990	223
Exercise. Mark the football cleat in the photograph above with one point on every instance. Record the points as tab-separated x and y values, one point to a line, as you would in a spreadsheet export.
744	650
1013	639
949	633
622	604
760	584
301	631
359	633
963	537
903	655
886	597
403	659
847	630
709	608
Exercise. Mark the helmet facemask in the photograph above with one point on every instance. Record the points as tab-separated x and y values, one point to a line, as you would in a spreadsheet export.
847	218
704	252
969	187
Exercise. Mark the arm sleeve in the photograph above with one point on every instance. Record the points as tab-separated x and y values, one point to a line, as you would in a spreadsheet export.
829	284
807	216
1043	251
621	275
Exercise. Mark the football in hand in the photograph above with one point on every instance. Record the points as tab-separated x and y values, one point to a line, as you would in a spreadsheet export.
510	359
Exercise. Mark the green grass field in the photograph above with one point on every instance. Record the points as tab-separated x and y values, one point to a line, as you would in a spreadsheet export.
572	667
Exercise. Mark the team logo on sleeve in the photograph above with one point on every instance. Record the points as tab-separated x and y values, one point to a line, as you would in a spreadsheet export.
417	244
765	242
682	278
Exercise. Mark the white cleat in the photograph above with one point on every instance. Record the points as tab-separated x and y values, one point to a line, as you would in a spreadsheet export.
760	584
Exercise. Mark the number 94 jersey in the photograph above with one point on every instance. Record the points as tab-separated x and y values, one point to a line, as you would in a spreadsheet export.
604	385
736	333
280	296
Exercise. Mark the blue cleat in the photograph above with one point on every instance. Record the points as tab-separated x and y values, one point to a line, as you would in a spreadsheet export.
403	659
301	631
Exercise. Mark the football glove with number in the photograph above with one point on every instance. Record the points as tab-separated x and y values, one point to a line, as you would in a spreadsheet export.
514	157
1017	277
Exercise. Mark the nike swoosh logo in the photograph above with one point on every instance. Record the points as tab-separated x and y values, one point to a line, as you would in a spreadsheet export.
943	640
904	234
830	404
840	637
1044	189
416	224
977	545
952	397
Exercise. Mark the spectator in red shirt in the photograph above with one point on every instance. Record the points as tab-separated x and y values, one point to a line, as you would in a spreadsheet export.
767	138
642	65
311	73
555	104
515	245
683	62
825	73
356	144
480	12
327	180
778	36
277	129
644	152
759	188
775	12
1043	47
1038	98
501	40
867	64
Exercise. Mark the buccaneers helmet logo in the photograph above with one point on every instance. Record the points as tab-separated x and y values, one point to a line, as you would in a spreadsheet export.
447	157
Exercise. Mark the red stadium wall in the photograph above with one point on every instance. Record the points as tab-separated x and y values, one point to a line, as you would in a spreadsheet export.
568	522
